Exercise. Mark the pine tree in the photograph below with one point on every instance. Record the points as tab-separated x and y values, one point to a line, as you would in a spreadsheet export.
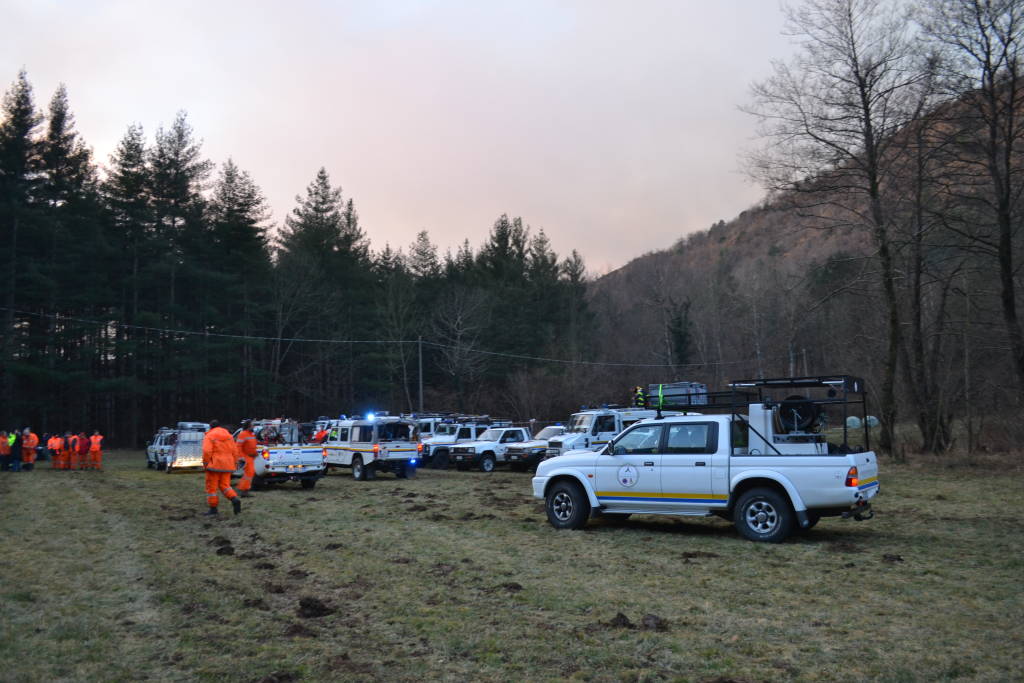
19	163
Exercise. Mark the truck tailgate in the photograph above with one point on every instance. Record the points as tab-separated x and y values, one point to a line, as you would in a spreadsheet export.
867	472
296	455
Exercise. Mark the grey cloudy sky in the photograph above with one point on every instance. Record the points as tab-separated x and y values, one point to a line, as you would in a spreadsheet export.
611	125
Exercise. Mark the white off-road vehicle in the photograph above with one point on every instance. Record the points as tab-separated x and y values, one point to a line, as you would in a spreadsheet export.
374	444
437	450
769	471
528	454
591	429
158	449
489	449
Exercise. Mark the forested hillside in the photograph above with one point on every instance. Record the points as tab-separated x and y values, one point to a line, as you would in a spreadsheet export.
151	286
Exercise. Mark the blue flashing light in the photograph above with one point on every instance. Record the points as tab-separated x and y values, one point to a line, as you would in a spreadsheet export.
413	461
370	416
559	424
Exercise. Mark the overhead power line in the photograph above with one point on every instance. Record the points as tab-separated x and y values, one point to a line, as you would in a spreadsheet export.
440	345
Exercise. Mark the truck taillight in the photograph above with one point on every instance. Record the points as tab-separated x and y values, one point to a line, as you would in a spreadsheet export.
324	453
376	450
266	454
419	448
851	477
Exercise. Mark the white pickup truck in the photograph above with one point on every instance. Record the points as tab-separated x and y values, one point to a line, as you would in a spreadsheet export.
281	456
769	472
592	429
489	449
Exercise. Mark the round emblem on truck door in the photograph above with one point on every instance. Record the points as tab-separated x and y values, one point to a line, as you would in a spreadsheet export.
628	476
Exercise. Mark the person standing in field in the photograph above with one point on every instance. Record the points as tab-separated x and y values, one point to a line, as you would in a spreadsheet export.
5	451
16	450
28	449
220	457
82	448
246	441
96	450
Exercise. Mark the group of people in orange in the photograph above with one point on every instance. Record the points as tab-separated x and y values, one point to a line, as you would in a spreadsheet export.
18	450
76	451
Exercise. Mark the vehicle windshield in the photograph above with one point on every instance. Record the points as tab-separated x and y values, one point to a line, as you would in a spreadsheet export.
548	433
580	423
446	429
425	428
490	435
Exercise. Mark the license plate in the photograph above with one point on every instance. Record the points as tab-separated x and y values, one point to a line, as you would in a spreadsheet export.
458	457
513	457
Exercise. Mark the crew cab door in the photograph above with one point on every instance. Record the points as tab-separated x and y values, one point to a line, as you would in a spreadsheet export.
604	431
686	464
628	470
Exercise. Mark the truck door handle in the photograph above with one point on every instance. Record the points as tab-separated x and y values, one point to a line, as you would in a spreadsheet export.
700	463
648	463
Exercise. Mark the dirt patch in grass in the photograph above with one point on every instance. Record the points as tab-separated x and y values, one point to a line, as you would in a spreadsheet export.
313	608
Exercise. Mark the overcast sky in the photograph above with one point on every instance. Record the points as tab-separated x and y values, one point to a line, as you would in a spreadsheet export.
611	125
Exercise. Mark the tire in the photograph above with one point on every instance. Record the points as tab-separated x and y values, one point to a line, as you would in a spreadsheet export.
410	471
400	472
764	515
567	506
307	483
161	466
358	469
440	460
369	473
259	483
487	463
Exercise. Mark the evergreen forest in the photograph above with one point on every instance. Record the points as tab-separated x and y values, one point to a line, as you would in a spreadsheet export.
152	287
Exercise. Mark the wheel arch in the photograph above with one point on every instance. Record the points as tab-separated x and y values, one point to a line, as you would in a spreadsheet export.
767	479
568	475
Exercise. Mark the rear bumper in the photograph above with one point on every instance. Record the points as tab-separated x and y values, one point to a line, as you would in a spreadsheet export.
293	475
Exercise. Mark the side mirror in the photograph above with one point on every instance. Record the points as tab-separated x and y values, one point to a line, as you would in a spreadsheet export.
617	450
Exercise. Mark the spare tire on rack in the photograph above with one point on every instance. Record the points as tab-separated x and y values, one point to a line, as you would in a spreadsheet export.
797	414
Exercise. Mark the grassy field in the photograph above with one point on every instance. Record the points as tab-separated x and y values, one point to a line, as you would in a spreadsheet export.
458	576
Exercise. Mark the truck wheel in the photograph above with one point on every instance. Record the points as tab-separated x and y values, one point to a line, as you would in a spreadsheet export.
410	471
358	470
440	460
764	515
161	466
369	473
259	483
308	483
487	463
566	505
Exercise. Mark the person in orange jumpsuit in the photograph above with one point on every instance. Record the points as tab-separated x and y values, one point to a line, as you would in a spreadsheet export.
5	450
55	444
220	457
246	441
67	450
82	448
96	450
320	436
71	460
28	450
